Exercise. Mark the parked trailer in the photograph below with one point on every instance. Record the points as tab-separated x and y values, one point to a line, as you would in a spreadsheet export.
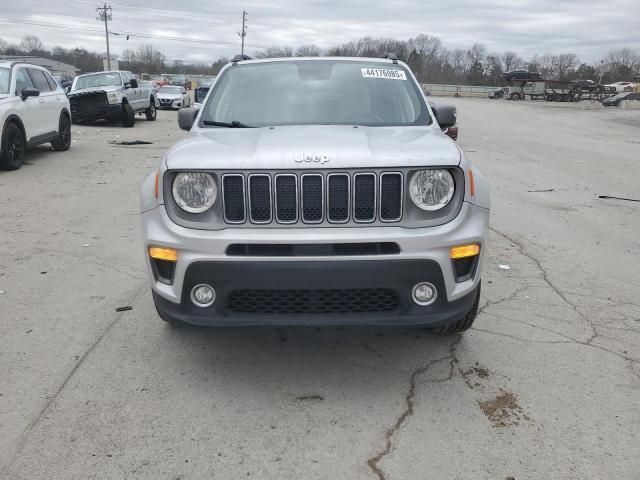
556	91
533	90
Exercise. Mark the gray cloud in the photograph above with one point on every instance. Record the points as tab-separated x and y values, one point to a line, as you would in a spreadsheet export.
588	28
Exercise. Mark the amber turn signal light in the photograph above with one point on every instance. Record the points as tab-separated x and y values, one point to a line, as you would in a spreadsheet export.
168	254
472	183
156	186
464	251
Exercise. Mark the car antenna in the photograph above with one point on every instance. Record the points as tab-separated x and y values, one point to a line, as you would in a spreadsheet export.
240	58
391	56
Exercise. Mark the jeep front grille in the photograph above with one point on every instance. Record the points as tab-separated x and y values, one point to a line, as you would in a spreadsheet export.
233	193
312	198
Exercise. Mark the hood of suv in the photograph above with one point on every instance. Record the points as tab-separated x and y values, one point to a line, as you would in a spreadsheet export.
313	147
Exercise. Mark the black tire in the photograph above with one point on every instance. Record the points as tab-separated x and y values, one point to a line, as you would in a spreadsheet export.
63	141
465	322
151	113
128	116
515	96
13	147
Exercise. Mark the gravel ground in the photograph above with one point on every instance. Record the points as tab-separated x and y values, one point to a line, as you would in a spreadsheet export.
547	384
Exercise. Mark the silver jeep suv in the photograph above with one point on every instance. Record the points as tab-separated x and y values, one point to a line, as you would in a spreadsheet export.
316	191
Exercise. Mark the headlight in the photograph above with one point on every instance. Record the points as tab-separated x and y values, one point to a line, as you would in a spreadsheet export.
194	192
431	189
113	97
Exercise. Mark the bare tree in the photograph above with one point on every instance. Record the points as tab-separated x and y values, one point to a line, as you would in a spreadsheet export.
149	59
427	46
275	52
511	60
128	56
623	57
565	63
476	53
3	46
308	51
458	61
31	44
494	68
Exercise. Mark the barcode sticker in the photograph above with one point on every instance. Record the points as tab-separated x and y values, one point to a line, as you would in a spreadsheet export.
387	73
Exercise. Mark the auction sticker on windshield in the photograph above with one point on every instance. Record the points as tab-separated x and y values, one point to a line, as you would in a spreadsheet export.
383	73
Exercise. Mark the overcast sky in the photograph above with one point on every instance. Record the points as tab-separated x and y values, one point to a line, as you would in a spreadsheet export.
589	28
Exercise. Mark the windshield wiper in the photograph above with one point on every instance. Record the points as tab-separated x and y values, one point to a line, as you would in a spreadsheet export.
231	124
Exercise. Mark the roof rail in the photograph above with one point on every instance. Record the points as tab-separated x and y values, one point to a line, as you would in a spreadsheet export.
391	56
239	58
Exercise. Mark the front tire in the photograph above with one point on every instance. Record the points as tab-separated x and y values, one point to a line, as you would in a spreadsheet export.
13	147
128	115
465	322
62	142
151	112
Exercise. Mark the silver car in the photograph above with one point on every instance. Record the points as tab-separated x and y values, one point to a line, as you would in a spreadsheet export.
172	96
316	191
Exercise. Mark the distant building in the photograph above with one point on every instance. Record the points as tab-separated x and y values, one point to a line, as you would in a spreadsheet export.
51	65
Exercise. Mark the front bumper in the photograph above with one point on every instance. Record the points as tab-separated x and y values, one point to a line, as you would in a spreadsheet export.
423	256
98	112
263	280
166	103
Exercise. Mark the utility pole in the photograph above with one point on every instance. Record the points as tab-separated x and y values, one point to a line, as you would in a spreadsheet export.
104	14
244	30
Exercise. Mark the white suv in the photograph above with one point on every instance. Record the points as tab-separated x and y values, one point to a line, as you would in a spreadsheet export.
33	110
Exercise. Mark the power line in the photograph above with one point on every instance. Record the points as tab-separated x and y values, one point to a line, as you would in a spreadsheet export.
146	13
197	15
50	25
277	23
171	13
131	34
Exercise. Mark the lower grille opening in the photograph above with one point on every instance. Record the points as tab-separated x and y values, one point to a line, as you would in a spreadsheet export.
315	302
464	268
311	250
163	270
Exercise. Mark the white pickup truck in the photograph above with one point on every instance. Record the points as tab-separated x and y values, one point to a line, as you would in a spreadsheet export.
113	95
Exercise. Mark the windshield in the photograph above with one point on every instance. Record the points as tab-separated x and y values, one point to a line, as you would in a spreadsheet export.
170	90
312	92
98	80
5	75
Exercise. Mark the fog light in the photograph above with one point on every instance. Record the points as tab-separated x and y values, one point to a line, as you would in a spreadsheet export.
424	294
203	295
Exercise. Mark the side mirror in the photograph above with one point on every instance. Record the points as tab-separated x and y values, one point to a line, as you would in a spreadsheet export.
133	83
446	115
29	92
67	90
186	117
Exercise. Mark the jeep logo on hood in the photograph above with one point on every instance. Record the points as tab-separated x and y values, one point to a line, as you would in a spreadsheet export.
310	158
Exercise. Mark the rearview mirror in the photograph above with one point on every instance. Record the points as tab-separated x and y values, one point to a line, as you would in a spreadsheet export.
445	115
29	92
186	117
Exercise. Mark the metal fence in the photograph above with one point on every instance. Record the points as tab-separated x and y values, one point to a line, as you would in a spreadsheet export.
456	90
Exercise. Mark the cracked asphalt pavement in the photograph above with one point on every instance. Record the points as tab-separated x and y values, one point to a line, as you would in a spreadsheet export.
546	384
